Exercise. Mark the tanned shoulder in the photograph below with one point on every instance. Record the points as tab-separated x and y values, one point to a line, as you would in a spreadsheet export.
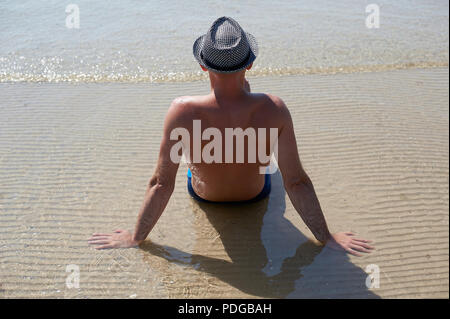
278	102
180	111
280	109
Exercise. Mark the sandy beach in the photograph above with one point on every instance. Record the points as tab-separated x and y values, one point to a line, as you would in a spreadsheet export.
75	158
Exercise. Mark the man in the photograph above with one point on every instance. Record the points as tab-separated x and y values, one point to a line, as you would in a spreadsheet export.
226	52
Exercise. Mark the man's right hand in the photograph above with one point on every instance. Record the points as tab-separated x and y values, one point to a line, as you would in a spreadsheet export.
347	242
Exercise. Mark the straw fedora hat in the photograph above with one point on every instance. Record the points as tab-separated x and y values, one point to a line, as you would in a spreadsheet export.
226	47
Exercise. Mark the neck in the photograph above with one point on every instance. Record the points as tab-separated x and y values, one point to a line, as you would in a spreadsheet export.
228	85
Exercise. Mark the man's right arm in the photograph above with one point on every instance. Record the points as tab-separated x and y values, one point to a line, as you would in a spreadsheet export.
302	194
297	183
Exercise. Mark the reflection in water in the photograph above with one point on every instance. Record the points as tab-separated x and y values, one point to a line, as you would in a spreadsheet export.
267	253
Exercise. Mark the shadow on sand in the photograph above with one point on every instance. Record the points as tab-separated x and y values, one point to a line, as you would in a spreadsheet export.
268	254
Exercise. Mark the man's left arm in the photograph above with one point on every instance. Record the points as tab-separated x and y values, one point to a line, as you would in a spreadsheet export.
157	195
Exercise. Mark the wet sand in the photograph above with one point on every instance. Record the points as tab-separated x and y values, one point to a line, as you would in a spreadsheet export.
75	159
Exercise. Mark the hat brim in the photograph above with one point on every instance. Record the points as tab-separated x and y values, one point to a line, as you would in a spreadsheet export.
197	50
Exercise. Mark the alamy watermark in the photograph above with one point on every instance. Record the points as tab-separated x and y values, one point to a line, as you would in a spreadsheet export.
373	277
373	19
73	279
73	17
212	152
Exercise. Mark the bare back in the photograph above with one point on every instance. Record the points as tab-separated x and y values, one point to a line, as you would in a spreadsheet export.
229	181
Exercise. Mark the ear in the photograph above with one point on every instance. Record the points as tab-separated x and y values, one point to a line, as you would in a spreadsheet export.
249	67
203	68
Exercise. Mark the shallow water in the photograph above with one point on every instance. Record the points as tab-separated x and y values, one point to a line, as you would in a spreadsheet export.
152	41
75	159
